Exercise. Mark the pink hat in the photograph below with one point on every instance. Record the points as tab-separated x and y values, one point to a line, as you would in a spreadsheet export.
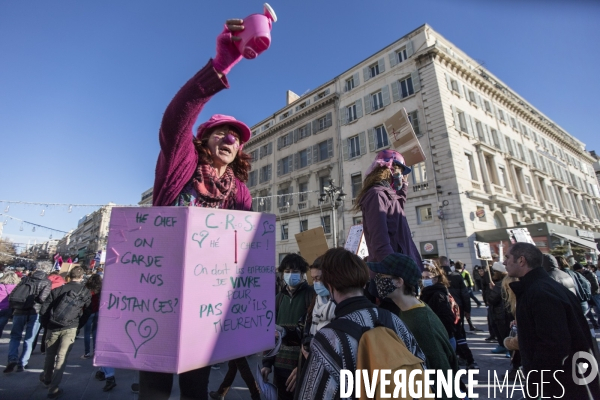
387	158
220	119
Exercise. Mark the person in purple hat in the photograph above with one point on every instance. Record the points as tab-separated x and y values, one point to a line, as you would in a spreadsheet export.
203	170
381	200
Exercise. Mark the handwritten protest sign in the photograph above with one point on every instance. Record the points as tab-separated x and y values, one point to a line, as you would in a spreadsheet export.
356	243
405	140
312	243
186	287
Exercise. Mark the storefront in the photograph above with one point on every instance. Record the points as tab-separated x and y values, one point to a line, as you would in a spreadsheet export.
547	237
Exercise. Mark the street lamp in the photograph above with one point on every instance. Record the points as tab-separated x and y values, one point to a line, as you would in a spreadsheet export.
329	193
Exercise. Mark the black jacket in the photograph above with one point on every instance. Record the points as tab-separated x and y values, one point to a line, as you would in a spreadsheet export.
552	329
591	277
458	290
499	311
436	297
53	299
42	290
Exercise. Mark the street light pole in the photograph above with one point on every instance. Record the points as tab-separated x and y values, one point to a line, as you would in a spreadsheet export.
329	193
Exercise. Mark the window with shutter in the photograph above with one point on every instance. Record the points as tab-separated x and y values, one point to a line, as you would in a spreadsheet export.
487	106
406	87
381	137
363	143
376	101
329	148
351	112
323	151
353	144
356	182
413	118
349	84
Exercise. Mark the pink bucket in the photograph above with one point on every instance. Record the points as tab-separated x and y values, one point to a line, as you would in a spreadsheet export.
256	36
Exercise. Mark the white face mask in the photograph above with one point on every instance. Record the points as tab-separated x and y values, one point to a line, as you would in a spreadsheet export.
427	282
292	278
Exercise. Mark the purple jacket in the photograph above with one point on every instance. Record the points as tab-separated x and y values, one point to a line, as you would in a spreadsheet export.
384	224
178	158
4	292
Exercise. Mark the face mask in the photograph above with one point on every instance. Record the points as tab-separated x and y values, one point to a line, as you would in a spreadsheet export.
452	268
385	286
427	282
291	278
321	289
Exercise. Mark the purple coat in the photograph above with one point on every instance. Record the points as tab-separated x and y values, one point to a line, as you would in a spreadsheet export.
178	158
384	224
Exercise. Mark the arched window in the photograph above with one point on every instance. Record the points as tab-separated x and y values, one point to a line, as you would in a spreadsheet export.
499	221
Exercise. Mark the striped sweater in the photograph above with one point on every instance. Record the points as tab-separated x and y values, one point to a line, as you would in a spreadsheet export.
321	376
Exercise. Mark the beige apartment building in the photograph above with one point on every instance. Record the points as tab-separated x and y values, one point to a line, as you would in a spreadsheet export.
493	159
88	238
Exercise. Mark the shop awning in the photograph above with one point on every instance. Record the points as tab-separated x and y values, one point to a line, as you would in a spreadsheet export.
576	240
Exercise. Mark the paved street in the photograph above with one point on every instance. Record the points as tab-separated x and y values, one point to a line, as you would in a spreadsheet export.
79	382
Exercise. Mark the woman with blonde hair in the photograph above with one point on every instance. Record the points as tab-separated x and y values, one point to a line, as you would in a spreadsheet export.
435	293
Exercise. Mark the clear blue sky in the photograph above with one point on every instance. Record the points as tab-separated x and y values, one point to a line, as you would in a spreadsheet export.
83	84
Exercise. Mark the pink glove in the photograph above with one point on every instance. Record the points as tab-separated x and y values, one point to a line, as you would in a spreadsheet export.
227	53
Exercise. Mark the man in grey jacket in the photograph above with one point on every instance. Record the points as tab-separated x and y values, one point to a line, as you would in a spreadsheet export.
551	267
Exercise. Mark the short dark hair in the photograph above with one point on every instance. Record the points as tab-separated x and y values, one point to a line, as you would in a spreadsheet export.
530	252
459	265
343	270
577	266
293	261
443	260
76	273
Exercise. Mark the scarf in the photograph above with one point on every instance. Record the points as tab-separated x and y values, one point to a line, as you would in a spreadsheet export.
214	191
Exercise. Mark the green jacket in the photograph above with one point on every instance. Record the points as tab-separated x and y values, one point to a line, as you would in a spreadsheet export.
432	337
290	309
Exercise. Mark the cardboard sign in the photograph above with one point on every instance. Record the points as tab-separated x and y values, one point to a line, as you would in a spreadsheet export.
312	244
404	138
483	251
65	268
186	287
355	242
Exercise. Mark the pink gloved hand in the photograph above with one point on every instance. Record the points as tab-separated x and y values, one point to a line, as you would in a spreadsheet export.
227	52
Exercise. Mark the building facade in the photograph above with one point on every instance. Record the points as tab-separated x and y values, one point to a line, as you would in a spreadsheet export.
88	238
493	159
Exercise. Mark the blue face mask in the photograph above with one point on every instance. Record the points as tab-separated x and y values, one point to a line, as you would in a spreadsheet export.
321	289
427	282
292	278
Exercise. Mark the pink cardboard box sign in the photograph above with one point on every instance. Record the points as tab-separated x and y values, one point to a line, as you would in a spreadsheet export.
186	287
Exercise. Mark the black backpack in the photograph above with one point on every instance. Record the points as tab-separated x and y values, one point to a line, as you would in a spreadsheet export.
23	296
69	307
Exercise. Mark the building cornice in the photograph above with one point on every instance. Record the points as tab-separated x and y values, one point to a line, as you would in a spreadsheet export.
286	123
483	81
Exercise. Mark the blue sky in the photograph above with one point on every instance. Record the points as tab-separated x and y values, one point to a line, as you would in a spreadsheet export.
83	85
